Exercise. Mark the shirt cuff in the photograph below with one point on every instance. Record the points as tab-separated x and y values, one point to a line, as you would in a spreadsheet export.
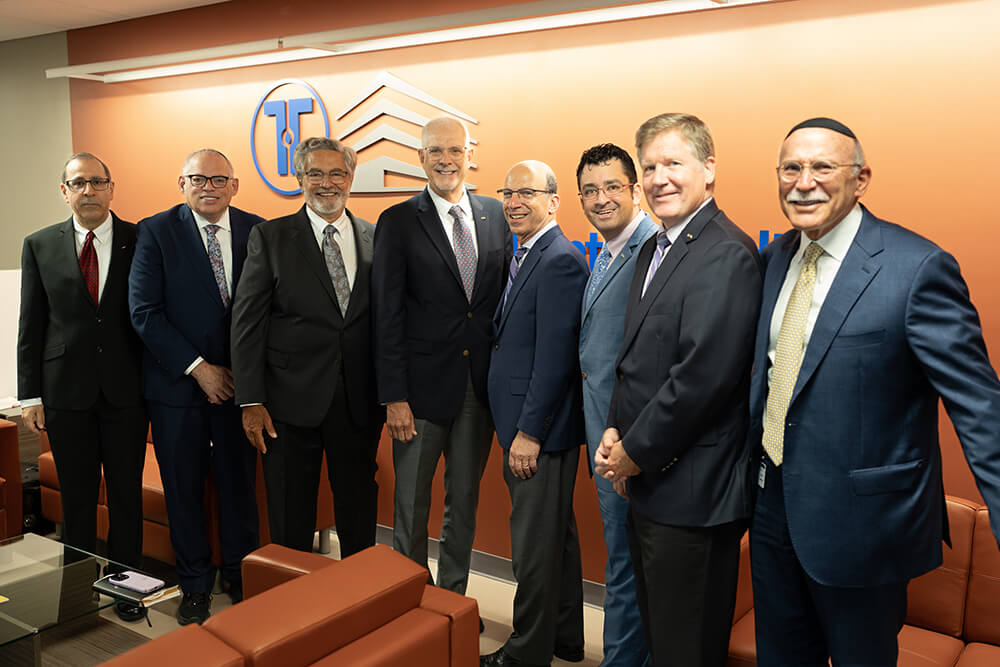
30	402
193	364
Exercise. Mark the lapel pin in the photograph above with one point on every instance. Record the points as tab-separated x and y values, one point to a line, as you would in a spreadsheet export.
689	236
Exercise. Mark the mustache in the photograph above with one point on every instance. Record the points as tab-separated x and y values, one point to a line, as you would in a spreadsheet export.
796	197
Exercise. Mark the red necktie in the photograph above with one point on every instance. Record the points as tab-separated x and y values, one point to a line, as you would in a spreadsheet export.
88	266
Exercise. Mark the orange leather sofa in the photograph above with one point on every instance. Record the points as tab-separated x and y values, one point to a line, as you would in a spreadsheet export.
155	527
372	609
953	613
10	481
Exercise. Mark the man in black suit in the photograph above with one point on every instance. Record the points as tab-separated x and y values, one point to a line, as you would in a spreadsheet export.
677	426
78	362
440	264
302	358
536	397
188	261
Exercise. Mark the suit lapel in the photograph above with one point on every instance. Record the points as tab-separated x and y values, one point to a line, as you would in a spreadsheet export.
304	240
524	272
119	262
631	247
189	238
860	266
240	230
360	294
428	217
481	226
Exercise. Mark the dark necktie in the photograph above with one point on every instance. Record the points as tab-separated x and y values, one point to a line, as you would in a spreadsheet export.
515	264
465	251
218	268
335	265
662	243
88	267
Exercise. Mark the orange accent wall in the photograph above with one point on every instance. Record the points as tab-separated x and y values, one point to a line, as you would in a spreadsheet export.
916	80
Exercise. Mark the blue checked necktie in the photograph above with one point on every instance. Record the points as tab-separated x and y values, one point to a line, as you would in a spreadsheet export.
515	264
218	268
465	251
600	268
662	243
335	265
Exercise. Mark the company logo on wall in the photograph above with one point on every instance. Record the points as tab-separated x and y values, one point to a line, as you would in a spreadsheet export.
292	109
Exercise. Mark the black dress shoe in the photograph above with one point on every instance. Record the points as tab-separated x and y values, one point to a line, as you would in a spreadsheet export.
129	612
501	658
481	626
234	589
195	608
570	654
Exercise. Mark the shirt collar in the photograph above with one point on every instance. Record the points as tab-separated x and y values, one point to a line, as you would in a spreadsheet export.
674	232
617	244
837	241
539	234
223	222
319	224
443	205
102	233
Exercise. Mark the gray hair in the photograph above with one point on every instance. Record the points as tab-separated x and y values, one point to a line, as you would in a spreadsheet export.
307	146
84	156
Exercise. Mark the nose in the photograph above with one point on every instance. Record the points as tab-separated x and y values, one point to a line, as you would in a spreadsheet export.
602	197
88	188
805	181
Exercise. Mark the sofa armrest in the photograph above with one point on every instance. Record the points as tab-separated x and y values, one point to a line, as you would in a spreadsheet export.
274	564
463	616
10	470
189	645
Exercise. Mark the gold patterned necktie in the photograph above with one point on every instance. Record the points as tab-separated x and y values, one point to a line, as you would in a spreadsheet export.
788	354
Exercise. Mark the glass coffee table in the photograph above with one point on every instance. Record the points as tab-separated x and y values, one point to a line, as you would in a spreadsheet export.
43	584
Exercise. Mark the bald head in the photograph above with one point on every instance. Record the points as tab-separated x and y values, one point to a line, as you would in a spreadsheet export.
529	198
445	154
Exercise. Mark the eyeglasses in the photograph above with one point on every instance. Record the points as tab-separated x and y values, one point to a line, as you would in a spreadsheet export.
318	176
821	170
454	152
199	181
80	184
524	194
611	190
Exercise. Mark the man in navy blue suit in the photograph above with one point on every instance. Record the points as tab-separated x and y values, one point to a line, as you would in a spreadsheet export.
864	326
187	264
534	392
610	195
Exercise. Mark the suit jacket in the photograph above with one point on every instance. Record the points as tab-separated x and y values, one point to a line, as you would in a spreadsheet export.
862	463
534	372
290	340
428	336
680	399
175	303
602	327
69	351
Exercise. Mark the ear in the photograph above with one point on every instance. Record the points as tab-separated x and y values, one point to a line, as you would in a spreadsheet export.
710	171
235	182
180	183
65	192
637	195
864	179
420	155
111	190
553	203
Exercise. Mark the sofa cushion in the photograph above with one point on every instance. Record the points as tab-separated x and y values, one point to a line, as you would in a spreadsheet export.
359	594
936	600
925	648
463	615
190	645
272	565
742	643
983	621
979	655
418	638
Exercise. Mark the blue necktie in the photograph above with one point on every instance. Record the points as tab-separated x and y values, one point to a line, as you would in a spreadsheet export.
600	268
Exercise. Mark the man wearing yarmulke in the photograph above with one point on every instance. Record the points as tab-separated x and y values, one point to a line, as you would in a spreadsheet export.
863	326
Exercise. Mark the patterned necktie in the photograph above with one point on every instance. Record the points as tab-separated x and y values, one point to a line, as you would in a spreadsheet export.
335	265
465	251
218	268
788	354
88	266
600	268
515	264
662	243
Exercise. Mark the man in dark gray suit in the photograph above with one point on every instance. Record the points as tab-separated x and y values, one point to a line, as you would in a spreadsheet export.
302	360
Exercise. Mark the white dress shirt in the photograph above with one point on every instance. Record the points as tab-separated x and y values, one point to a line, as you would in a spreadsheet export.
617	244
530	242
672	235
442	206
835	244
344	237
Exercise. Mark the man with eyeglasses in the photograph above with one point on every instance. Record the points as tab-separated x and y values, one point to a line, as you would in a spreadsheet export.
534	389
78	363
188	262
864	327
302	355
677	424
440	263
611	197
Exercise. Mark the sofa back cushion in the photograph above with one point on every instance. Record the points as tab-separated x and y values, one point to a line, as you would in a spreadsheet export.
983	608
936	600
305	619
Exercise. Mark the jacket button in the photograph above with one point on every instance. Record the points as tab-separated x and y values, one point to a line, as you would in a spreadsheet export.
465	353
621	377
497	347
99	349
469	315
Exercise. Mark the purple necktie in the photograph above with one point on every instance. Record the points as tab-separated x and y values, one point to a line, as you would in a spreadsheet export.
218	268
515	264
662	243
465	251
